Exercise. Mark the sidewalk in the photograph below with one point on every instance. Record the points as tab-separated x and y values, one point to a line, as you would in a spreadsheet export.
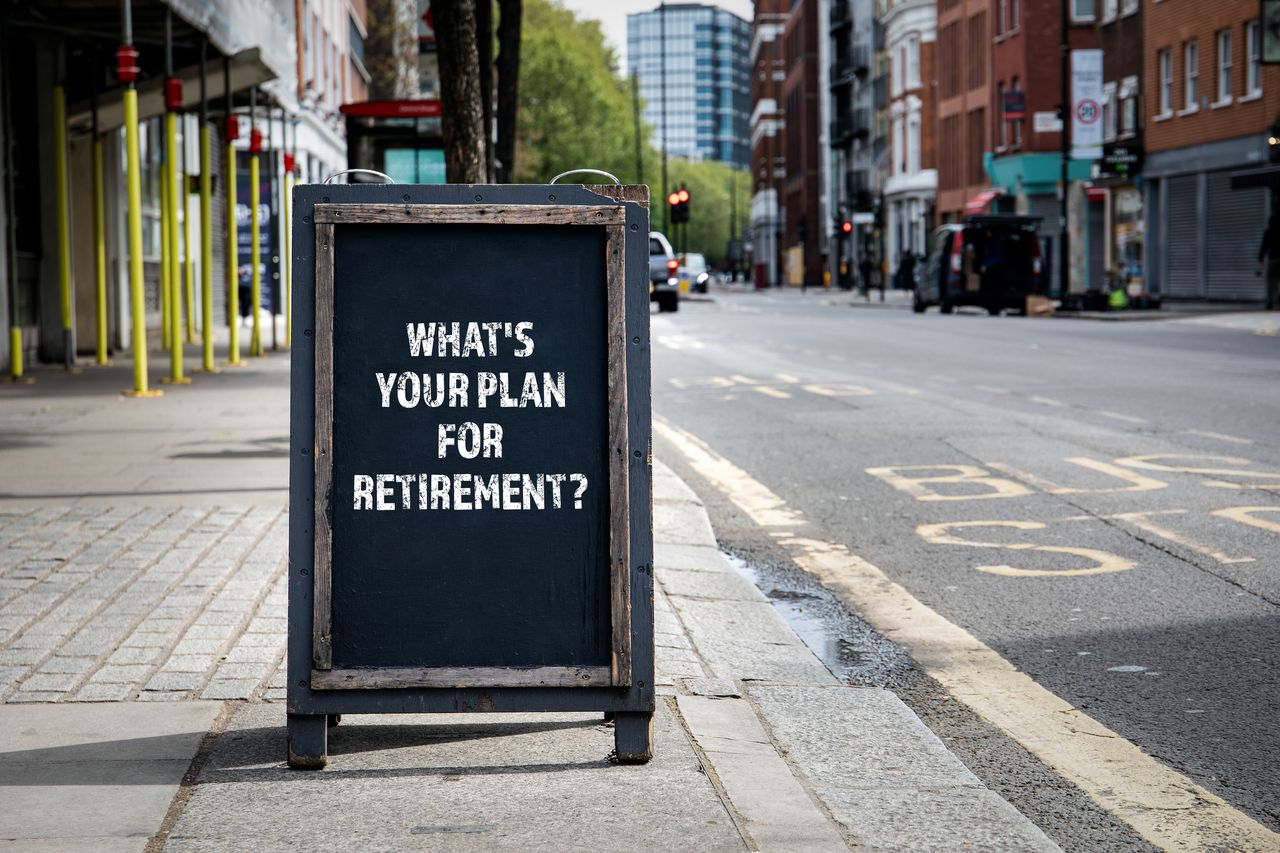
141	644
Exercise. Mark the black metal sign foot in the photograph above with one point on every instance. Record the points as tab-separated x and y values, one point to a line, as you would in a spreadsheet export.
632	737
308	741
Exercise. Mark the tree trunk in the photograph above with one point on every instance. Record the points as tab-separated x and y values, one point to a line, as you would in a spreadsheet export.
509	12
484	52
391	49
455	25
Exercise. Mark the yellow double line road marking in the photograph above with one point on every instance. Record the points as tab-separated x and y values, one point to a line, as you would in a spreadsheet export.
1165	807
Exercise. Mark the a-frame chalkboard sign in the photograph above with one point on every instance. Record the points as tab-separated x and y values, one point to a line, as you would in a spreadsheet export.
470	522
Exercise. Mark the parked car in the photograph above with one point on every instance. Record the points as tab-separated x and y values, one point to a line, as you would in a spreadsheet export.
693	273
990	261
664	283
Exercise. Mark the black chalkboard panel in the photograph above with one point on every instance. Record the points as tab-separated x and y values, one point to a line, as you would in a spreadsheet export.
427	571
478	586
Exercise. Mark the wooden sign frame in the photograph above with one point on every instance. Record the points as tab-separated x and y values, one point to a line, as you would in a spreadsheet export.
624	687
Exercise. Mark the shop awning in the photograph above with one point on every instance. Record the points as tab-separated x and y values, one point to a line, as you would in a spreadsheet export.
980	202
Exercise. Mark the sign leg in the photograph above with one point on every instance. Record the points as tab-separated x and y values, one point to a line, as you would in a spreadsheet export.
633	737
308	741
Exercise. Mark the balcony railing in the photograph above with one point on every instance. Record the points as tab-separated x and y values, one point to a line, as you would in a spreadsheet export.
855	124
851	63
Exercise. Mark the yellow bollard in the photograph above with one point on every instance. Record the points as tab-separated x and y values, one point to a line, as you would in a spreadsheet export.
175	279
64	224
206	251
186	245
255	268
288	259
133	167
99	254
233	259
166	283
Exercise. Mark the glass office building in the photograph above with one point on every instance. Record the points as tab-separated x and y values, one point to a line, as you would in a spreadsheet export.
708	84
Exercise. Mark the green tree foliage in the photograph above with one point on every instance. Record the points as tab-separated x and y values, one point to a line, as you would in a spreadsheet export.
575	107
576	111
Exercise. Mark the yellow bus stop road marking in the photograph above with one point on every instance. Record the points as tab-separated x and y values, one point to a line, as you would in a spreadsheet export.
771	392
1165	807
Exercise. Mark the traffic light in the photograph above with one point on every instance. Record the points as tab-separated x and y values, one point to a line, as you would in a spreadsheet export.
1273	143
679	202
846	227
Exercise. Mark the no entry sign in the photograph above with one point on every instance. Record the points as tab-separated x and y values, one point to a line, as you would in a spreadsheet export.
470	485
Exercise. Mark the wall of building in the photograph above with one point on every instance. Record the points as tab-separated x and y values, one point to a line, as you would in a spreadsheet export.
1203	236
964	97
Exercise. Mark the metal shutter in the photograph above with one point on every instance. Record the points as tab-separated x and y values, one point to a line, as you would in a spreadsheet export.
1183	252
1237	219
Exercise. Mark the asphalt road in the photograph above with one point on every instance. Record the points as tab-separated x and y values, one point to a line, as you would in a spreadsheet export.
1097	502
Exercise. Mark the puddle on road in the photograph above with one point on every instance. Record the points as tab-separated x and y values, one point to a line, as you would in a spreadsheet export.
845	644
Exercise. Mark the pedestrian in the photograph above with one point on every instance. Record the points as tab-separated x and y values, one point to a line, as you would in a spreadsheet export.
907	272
1270	250
864	277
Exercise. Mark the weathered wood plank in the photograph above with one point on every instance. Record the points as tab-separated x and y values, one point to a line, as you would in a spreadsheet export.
386	678
321	450
619	464
637	193
468	214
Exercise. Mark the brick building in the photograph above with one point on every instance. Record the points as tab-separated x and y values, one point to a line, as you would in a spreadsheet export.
1208	104
964	96
768	165
1026	163
912	180
803	102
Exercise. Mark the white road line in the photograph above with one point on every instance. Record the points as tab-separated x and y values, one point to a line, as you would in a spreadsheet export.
1119	417
991	389
786	377
1220	436
1048	401
1165	807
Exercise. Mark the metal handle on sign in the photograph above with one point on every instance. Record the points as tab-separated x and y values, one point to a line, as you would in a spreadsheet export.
385	177
613	178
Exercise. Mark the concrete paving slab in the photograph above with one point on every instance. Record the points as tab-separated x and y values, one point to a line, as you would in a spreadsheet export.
682	522
745	640
95	777
776	810
886	777
695	558
452	782
727	585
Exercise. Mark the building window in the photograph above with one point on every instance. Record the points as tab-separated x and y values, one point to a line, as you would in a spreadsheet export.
1002	16
1015	14
1017	123
1165	61
1253	67
1003	135
913	144
1109	109
913	62
1224	66
1191	70
1129	6
1129	106
1109	10
1082	10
